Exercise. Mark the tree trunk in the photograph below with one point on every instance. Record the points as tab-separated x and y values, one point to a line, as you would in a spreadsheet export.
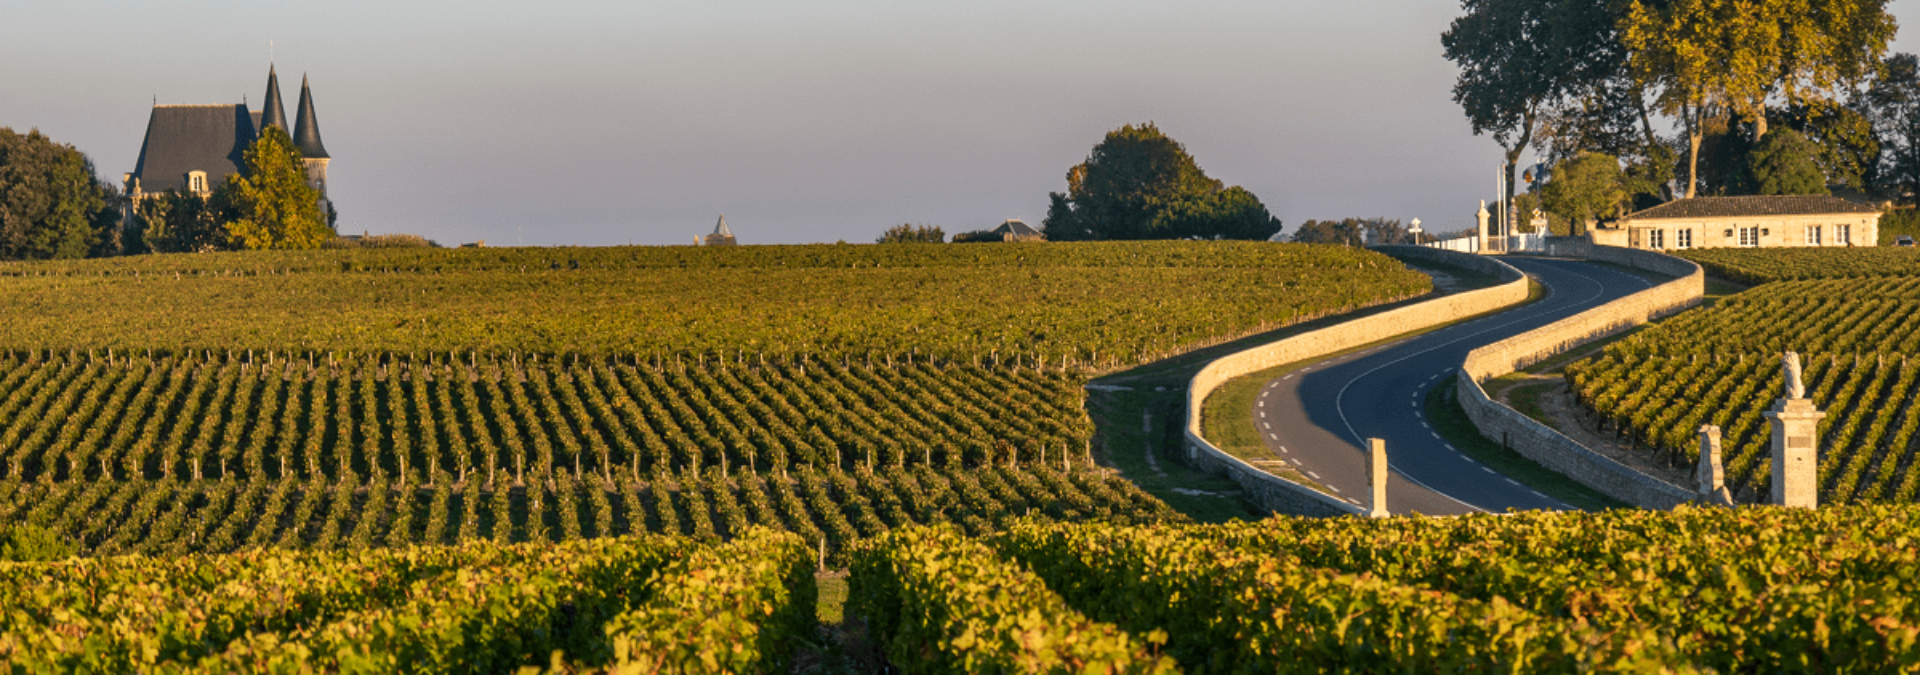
1694	134
1693	161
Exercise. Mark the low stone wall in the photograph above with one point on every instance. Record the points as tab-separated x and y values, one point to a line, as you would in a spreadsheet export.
1542	443
1284	496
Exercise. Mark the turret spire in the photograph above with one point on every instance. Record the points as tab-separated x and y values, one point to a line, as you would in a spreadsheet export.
306	130
274	112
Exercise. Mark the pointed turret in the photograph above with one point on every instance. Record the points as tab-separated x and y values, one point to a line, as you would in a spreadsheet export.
721	227
306	129
274	113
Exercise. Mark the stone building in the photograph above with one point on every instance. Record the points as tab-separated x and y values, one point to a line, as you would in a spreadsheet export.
193	148
722	235
1726	222
1016	230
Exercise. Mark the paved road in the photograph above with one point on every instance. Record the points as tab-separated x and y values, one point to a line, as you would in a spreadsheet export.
1318	417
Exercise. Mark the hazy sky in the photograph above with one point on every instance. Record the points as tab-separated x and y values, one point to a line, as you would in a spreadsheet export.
595	123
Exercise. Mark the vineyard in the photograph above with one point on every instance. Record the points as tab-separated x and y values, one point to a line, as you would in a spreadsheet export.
198	453
1767	265
1721	366
1694	590
1094	305
641	604
341	400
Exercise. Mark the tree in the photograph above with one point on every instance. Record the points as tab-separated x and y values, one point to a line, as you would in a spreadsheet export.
1785	163
1346	232
51	204
1843	138
1585	188
172	222
909	234
270	204
1139	184
1710	57
1518	58
1892	106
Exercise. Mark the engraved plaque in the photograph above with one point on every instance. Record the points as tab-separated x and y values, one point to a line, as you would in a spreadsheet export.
1799	441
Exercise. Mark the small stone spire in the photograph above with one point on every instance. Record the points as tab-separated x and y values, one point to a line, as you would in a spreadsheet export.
274	113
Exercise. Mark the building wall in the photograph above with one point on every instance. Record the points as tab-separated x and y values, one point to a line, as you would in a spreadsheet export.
1774	231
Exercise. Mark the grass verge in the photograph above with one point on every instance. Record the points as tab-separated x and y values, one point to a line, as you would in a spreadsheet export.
1450	421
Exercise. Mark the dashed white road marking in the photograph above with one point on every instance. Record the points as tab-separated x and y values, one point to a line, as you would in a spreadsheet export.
1488	470
1263	414
1435	436
1282	448
1510	480
1262	403
1335	489
1314	475
1288	377
1537	493
1266	425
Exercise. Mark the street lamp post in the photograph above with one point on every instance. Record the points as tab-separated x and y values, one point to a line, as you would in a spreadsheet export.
1413	228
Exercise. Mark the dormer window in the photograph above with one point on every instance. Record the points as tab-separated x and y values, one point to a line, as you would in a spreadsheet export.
197	182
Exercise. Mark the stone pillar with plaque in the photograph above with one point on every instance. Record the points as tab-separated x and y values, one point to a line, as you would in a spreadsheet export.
1796	452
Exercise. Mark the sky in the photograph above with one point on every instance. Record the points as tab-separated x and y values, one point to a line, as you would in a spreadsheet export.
605	123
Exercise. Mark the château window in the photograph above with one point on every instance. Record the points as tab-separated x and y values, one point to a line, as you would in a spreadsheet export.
1843	235
1813	235
1749	236
1683	238
1656	239
197	182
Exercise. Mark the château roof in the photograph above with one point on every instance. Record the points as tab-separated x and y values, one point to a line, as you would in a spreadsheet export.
1016	228
306	130
1738	207
721	227
273	111
184	138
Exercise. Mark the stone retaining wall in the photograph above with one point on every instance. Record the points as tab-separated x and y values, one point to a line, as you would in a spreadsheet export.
1542	443
1284	496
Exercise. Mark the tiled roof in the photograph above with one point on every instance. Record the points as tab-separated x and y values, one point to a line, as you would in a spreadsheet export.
1735	207
183	138
1016	228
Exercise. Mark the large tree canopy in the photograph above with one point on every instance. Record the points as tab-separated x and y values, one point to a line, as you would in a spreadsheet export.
270	204
1712	57
1786	163
1892	107
1588	187
1140	184
51	204
1525	61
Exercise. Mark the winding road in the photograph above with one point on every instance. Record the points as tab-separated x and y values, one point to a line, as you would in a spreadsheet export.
1317	418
